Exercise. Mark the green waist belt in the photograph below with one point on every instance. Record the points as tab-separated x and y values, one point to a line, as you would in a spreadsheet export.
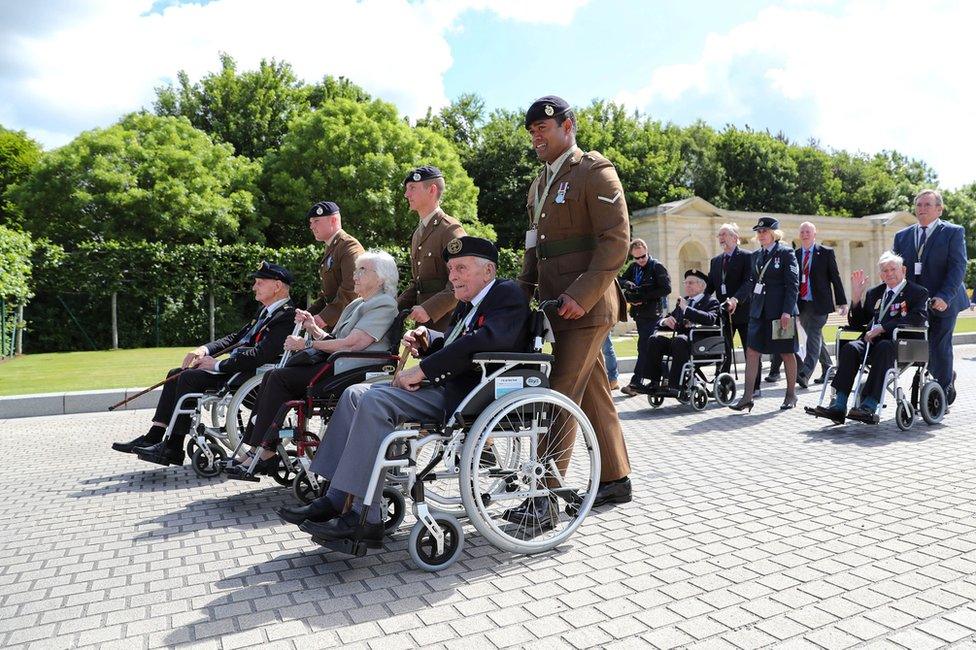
429	286
549	249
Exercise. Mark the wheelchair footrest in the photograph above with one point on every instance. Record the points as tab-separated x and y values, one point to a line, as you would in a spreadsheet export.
242	476
357	548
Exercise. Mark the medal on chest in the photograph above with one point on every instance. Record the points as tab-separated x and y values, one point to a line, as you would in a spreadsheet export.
561	192
776	263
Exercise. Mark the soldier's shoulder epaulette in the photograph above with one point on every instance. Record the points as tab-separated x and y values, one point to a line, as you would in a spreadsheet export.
594	156
444	219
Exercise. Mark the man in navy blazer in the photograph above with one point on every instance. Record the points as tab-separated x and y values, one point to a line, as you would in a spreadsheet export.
935	257
821	291
491	316
894	303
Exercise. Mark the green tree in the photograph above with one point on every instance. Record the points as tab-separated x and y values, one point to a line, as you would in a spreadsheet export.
760	173
700	173
144	178
357	154
333	88
250	110
18	155
460	122
960	208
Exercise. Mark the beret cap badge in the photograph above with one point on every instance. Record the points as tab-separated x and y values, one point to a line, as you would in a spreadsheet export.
549	110
416	176
454	246
319	210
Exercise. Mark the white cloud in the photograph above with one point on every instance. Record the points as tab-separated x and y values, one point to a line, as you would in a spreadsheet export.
866	75
64	69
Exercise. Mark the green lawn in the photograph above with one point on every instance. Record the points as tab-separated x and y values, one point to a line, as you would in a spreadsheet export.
72	371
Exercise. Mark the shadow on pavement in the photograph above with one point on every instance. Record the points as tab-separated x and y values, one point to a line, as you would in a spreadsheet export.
244	510
153	478
327	590
866	435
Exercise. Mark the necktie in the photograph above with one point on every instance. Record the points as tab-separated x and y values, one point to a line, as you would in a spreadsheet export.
805	275
459	327
725	263
889	296
921	240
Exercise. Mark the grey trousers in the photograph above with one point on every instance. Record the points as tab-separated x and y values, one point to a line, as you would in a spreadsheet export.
365	415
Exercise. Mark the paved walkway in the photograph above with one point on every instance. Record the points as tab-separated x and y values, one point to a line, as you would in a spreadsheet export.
745	531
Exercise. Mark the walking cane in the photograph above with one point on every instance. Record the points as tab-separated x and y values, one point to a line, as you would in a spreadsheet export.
166	381
422	343
731	340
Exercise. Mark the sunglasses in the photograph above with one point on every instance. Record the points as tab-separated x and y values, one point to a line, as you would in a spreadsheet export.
640	257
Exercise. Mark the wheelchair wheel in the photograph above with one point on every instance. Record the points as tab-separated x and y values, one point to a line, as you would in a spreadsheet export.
932	402
202	465
904	415
566	471
394	509
304	490
699	398
282	474
423	547
239	410
655	400
724	389
218	413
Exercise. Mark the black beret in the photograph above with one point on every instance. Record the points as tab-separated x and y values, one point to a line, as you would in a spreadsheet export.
271	271
471	247
425	173
545	108
696	273
323	209
766	222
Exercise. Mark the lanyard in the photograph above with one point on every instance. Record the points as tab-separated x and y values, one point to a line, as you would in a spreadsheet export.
922	240
541	199
763	272
885	306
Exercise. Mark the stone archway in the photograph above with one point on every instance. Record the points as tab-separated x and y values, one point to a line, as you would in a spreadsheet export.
692	255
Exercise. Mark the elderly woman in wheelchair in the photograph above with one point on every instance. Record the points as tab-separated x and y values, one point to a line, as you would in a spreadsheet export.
489	418
364	327
890	320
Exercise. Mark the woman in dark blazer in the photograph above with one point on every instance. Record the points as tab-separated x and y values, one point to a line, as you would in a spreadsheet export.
771	288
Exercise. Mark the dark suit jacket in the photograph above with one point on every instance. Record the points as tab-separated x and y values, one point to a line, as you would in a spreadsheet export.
781	284
943	264
500	324
654	287
823	276
910	309
266	345
704	312
736	273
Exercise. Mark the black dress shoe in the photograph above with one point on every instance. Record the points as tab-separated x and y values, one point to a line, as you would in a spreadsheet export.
772	378
862	414
346	527
320	510
742	405
801	381
130	447
837	416
161	454
950	392
267	467
613	492
788	403
538	513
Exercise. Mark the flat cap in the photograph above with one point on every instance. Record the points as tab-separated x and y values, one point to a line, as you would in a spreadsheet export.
424	173
323	209
270	271
766	222
545	108
695	273
471	247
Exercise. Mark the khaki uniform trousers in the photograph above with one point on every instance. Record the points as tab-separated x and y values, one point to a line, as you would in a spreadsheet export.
580	373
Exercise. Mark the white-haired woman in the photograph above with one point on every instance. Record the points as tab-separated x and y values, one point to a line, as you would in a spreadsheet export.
364	325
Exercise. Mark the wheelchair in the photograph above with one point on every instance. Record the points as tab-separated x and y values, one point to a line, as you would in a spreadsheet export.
707	349
226	409
297	442
926	398
511	439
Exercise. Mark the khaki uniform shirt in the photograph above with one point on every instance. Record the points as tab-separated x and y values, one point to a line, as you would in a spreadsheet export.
582	239
430	288
336	269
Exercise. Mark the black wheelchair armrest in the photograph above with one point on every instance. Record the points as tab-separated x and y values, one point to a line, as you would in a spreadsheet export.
335	356
852	328
910	333
502	357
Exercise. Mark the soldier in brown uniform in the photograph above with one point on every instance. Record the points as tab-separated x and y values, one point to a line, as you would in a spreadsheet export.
430	295
576	243
338	263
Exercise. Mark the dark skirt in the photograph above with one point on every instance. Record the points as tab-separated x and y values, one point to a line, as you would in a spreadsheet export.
760	338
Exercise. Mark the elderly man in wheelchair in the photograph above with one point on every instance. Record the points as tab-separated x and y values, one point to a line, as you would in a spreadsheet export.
481	401
891	320
202	373
323	364
696	341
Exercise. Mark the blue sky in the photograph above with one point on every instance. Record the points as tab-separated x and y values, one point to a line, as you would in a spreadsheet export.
862	75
